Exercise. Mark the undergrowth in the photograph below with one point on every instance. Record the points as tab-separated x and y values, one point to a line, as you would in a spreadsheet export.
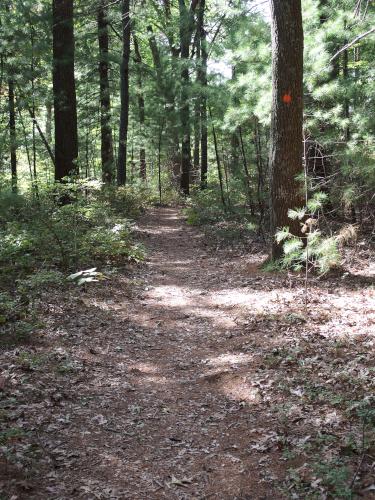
221	224
42	241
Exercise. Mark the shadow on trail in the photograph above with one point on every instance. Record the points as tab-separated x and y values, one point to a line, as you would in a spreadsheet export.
182	388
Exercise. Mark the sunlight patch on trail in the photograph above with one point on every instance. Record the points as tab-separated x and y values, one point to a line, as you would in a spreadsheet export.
228	359
171	295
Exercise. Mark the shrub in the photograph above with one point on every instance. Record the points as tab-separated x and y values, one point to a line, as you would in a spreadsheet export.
315	250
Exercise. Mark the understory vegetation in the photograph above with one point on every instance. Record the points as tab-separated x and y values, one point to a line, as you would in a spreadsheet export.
43	242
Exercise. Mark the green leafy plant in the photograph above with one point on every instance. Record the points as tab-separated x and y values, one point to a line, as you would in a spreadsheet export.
87	276
314	250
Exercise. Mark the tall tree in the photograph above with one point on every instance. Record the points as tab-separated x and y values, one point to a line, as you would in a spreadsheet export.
186	31
202	77
105	99
12	134
197	102
141	109
64	90
287	115
124	94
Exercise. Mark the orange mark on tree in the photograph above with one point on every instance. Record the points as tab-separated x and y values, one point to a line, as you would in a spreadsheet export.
287	98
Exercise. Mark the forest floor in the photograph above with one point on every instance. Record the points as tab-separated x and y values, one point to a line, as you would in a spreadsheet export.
194	375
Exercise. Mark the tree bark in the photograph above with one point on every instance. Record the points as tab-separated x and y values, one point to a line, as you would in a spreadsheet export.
141	108
203	83
197	101
246	171
287	115
185	39
124	94
49	120
64	90
12	135
219	173
105	96
259	161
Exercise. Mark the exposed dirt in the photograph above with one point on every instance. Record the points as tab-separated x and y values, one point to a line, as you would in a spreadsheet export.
198	376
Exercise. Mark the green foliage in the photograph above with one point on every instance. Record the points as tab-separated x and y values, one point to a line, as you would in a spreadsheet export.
87	276
42	240
335	477
315	249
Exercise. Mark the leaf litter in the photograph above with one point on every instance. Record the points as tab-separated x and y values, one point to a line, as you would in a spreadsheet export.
195	375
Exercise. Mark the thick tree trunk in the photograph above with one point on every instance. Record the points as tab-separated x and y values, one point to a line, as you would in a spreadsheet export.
124	94
105	99
141	108
64	90
287	116
12	135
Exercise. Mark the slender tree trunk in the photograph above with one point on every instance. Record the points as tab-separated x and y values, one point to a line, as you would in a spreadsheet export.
219	172
64	90
28	156
203	83
169	96
105	97
246	171
197	101
124	95
12	135
259	162
185	39
49	121
32	70
346	100
234	140
159	160
141	108
287	116
226	173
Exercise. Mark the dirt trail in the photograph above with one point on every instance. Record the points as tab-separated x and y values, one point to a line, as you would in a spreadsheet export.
169	384
192	413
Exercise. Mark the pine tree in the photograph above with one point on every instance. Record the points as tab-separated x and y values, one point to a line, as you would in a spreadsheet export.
287	115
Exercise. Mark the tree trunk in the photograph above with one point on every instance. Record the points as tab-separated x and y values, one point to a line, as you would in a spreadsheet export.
197	101
234	140
259	161
219	173
141	108
64	90
12	134
345	72
203	83
185	39
246	172
169	96
105	96
287	116
49	120
124	94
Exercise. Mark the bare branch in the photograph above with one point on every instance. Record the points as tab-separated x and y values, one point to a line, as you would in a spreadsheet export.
350	44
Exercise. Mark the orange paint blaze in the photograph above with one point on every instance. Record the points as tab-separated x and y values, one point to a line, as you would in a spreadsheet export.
287	98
